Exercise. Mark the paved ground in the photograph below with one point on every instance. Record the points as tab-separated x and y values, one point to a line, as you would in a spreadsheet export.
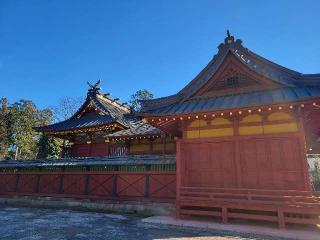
36	224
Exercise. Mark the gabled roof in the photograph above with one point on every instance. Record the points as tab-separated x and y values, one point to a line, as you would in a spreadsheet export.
87	121
100	110
281	76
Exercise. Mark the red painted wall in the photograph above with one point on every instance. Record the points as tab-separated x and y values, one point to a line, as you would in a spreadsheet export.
269	162
90	150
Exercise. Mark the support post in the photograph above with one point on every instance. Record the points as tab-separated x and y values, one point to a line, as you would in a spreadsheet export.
36	189
86	181
16	185
114	185
281	221
147	186
178	177
224	215
86	184
237	159
61	181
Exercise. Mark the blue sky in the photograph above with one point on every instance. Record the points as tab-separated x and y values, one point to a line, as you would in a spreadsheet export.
49	49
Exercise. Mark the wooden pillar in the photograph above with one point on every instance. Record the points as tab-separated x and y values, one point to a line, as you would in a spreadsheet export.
61	181
303	151
151	142
237	158
178	176
86	178
281	221
224	214
147	186
16	185
114	185
36	187
163	144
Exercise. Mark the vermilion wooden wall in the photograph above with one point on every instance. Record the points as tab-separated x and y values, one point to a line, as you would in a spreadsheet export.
252	152
269	162
159	186
134	147
90	150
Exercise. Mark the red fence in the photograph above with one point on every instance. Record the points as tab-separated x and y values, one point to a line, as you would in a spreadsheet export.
157	186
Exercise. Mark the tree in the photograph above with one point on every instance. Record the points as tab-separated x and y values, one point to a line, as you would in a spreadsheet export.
49	147
22	119
316	176
66	108
4	136
18	139
137	97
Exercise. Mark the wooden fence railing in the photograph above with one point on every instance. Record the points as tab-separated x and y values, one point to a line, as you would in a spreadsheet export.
299	207
154	186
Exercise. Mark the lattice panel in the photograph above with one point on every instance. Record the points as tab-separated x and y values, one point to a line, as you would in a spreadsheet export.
49	184
163	186
27	183
73	184
131	185
7	183
100	185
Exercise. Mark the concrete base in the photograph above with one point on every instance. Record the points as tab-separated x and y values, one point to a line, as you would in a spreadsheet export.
145	209
246	229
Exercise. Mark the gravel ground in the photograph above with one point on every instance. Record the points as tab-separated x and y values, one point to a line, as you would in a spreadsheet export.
36	224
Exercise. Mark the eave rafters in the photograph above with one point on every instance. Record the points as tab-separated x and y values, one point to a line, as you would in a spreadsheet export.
163	121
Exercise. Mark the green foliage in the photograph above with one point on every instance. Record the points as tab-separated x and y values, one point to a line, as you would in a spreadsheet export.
4	135
137	97
49	147
316	176
22	119
18	139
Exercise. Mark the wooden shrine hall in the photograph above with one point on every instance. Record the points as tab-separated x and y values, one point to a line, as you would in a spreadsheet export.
105	127
243	127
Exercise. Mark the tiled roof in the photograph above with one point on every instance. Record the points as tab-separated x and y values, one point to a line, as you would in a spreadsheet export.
86	121
93	161
258	98
108	111
289	79
136	128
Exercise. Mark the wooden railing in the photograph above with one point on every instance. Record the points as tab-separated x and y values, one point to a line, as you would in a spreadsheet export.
282	206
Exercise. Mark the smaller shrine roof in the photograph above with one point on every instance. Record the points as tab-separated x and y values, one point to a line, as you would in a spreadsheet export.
87	121
137	128
101	110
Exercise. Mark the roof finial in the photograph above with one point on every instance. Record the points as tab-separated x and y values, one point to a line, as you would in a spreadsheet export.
228	34
94	87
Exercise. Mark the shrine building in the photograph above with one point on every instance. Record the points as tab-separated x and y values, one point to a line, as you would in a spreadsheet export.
243	127
232	144
105	127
